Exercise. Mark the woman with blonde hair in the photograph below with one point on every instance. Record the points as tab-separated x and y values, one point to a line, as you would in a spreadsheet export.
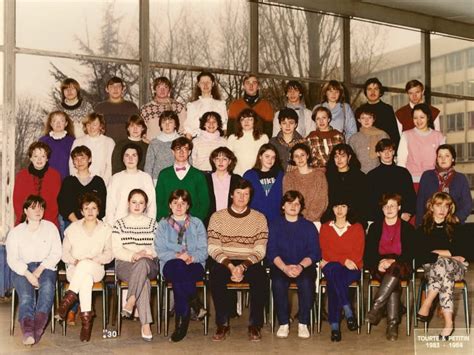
442	250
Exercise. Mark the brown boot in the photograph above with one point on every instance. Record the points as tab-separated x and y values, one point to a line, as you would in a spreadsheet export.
86	330
41	319
66	303
71	318
28	330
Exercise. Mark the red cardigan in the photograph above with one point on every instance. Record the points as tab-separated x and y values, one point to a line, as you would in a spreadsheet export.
27	184
348	246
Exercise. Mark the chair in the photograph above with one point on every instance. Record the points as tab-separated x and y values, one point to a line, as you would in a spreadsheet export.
121	285
458	285
62	287
293	287
12	318
357	285
405	285
167	287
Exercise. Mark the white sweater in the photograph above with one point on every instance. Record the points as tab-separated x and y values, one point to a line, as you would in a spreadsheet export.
42	245
199	107
118	189
101	148
203	145
245	149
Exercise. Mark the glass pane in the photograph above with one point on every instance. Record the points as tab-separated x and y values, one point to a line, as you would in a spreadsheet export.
452	63
34	101
395	99
1	20
102	28
213	33
1	123
299	43
391	54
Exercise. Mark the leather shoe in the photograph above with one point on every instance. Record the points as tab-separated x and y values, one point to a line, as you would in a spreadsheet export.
254	333
422	318
221	332
352	324
335	335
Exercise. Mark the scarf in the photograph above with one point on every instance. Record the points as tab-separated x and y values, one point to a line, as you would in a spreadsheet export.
38	173
180	229
374	136
251	100
205	135
167	137
445	177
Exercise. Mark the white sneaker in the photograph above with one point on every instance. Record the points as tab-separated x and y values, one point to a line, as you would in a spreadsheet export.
283	331
303	331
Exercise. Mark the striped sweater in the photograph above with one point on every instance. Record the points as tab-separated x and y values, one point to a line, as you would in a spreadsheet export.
234	236
132	234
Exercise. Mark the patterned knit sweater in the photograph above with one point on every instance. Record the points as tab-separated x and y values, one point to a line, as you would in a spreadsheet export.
133	234
234	236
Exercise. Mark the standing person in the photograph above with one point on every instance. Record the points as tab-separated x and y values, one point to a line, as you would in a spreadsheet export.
33	251
136	133
363	142
250	100
237	244
100	145
309	182
181	245
181	175
222	179
389	178
136	261
287	137
294	93
210	138
442	250
342	117
73	104
415	91
444	178
125	181
86	249
417	149
386	120
293	250
159	154
59	136
116	110
206	97
324	138
37	179
266	178
162	101
247	140
389	252
345	179
76	185
342	247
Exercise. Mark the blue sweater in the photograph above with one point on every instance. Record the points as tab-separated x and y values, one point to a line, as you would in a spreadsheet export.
458	189
166	242
293	241
60	150
269	204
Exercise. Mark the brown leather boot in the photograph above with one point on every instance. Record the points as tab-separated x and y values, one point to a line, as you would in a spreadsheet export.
28	330
66	303
86	330
71	318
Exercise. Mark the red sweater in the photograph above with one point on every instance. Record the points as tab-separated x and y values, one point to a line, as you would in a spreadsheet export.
404	116
263	108
339	248
27	184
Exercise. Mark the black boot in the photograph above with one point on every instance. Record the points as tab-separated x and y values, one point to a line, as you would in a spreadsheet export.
387	286
393	311
181	328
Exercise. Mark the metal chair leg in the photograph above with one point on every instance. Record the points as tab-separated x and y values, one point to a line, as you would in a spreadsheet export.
408	315
369	305
12	318
119	308
166	310
466	308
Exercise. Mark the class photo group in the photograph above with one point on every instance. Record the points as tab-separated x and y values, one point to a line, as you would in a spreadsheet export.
183	195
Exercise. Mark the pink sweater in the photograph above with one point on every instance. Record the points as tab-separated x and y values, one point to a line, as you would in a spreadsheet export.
417	151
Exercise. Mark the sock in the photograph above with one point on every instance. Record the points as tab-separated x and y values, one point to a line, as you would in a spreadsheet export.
334	326
348	311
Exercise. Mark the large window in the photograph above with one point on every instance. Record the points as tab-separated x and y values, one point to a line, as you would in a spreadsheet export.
455	122
106	28
454	61
390	53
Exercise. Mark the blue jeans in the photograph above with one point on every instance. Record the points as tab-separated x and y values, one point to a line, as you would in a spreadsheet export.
29	304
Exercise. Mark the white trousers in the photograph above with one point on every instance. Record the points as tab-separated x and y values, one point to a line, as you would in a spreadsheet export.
81	278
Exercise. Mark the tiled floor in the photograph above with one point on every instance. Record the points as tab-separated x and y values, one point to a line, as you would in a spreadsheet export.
196	343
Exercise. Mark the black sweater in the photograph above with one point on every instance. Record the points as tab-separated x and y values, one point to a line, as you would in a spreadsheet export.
390	179
372	241
72	189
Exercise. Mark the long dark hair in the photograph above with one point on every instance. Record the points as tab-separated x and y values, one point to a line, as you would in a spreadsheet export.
353	162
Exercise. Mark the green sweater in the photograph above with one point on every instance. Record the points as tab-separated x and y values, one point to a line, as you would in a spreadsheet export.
194	182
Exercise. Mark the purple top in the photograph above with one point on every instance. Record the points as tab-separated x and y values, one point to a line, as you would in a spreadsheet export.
391	242
60	150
